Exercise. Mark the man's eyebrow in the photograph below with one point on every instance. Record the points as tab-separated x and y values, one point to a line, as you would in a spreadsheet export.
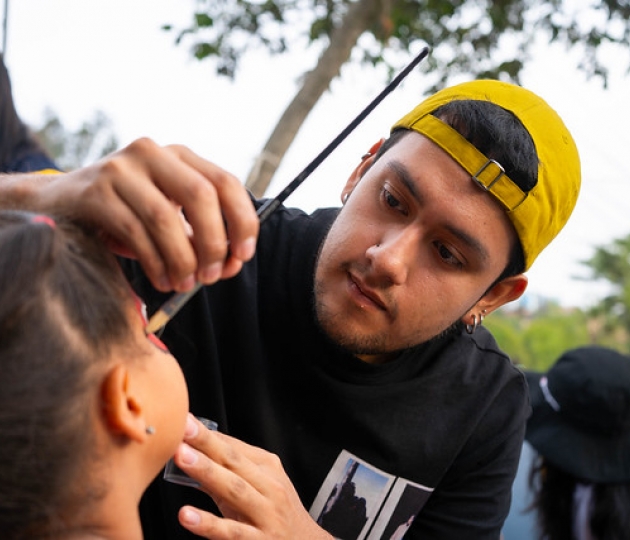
405	177
470	241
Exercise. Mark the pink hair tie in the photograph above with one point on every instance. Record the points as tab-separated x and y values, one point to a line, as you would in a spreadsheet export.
41	218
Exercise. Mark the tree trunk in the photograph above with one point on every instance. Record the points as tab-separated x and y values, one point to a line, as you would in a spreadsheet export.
360	16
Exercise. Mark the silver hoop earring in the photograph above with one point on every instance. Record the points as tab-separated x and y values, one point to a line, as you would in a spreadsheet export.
149	430
345	198
470	328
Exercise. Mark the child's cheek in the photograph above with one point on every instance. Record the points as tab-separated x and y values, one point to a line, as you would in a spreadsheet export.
157	342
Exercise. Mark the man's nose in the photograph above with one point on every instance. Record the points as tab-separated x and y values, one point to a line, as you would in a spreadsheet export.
392	255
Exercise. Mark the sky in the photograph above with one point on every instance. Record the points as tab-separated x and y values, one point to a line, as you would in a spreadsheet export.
76	57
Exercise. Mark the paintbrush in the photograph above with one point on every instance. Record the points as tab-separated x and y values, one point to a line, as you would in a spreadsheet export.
168	310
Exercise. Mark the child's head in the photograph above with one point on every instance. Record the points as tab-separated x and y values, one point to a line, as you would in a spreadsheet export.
83	392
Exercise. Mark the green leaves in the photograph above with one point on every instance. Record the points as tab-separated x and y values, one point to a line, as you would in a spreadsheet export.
203	20
224	30
611	264
536	339
468	37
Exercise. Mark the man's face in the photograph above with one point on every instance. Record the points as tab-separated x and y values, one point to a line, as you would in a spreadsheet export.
415	247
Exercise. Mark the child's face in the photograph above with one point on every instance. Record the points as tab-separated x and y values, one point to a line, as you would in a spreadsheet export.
164	389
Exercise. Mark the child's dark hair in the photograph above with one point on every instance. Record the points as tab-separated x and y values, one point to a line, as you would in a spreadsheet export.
64	308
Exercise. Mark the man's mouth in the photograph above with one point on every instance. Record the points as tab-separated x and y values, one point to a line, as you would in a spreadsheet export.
366	294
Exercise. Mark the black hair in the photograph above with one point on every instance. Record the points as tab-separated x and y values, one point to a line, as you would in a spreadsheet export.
498	134
64	308
553	491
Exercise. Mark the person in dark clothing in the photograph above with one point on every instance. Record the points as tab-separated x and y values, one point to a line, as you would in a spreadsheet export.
580	428
19	149
349	335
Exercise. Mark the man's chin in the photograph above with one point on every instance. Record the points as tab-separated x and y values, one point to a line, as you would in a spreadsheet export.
354	341
362	344
353	337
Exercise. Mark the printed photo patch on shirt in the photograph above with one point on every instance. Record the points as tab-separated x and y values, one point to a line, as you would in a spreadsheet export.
358	501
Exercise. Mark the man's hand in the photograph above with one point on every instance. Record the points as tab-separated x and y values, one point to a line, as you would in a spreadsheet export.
248	485
139	196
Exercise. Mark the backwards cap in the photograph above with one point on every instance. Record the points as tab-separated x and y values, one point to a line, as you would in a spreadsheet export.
537	215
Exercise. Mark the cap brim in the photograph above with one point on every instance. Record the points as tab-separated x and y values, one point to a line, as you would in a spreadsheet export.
588	457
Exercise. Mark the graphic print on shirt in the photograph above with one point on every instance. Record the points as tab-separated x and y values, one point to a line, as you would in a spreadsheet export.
357	501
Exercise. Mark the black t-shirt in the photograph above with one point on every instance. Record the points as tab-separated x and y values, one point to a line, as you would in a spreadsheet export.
435	433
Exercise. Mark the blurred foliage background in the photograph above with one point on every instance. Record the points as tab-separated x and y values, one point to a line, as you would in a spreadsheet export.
535	338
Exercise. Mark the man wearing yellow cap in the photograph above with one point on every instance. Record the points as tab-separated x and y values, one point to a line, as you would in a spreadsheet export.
350	345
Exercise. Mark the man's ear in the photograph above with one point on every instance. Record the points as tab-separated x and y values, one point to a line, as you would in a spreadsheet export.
122	407
366	161
505	291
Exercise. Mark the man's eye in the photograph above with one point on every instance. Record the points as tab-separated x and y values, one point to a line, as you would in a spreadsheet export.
447	256
392	201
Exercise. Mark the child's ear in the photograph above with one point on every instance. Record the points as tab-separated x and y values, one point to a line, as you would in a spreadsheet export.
122	406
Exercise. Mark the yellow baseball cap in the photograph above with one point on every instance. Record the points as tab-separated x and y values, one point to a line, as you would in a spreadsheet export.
539	214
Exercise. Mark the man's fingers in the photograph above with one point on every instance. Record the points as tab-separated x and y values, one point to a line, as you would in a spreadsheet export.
229	490
186	257
207	525
236	206
249	486
137	196
156	233
218	209
234	459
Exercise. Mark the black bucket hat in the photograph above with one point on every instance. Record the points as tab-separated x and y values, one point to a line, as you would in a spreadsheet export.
581	414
